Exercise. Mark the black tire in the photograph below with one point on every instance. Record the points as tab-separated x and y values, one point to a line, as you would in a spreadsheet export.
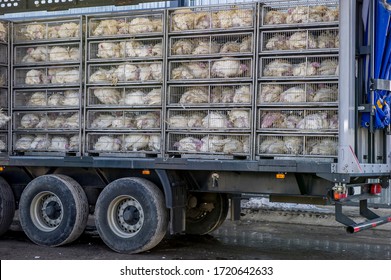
7	206
130	215
200	221
53	210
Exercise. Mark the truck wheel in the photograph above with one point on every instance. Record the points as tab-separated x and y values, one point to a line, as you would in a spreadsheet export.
130	215
53	210
7	206
206	212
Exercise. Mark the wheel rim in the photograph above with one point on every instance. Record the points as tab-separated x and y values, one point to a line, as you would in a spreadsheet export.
125	216
46	211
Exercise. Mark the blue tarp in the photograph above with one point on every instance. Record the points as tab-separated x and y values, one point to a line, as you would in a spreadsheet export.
382	63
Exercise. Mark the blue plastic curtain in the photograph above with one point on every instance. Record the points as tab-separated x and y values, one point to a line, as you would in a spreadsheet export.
382	62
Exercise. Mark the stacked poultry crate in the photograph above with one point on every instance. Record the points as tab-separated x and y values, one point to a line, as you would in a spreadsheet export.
4	61
297	100
47	86
124	92
209	106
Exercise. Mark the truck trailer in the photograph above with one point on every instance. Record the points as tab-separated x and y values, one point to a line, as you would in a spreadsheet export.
160	120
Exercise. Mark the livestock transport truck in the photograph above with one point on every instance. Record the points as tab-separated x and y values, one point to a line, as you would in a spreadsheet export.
159	120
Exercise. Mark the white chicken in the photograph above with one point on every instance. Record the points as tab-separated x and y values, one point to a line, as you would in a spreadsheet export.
3	146
69	30
293	95
272	145
157	50
149	120
278	68
102	121
325	94
108	96
317	121
277	43
182	47
272	119
239	118
40	142
222	95
29	121
107	144
326	147
44	123
35	31
331	15
195	120
59	143
291	121
195	95
135	97
326	40
108	50
136	142
3	32
275	17
212	144
55	100
37	99
140	25
154	143
246	45
24	142
181	73
58	122
305	69
233	146
156	71
107	27
145	72
125	72
230	47
101	76
216	120
71	98
182	19
293	145
154	97
206	47
72	122
299	14
74	143
199	70
64	76
270	93
317	13
38	54
242	95
3	119
188	144
300	40
35	77
122	122
228	68
178	121
328	67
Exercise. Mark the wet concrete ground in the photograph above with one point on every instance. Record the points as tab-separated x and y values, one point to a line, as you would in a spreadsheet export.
234	240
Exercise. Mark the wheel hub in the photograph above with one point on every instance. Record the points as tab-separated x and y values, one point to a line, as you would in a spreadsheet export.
46	211
131	215
53	210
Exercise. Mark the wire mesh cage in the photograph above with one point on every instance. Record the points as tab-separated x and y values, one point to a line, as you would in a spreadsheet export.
3	142
4	119
56	29
124	120
280	145
3	98
293	13
118	143
125	49
135	24
298	120
46	98
224	120
125	73
46	120
3	52
212	144
223	17
210	95
47	54
214	69
136	96
201	45
320	40
46	142
300	93
294	67
47	76
324	146
4	30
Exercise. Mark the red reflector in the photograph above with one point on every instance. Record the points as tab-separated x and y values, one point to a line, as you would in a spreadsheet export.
356	229
376	189
389	219
374	225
